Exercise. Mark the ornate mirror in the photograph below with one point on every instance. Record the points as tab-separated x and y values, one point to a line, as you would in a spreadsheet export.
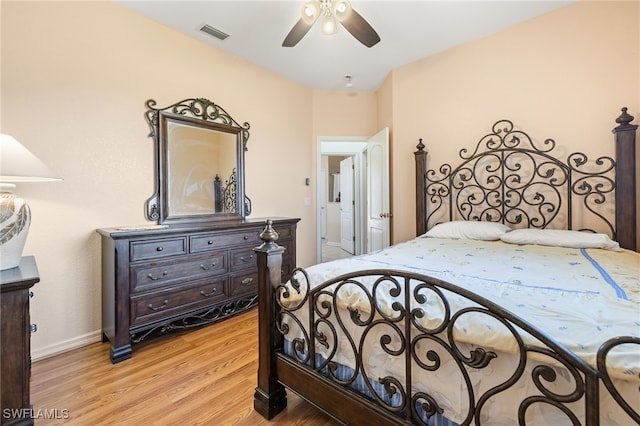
199	163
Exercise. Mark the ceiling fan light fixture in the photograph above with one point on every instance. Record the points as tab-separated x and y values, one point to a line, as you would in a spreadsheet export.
341	9
329	25
332	11
310	12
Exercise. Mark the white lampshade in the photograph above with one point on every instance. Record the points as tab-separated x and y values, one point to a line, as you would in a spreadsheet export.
17	164
329	26
341	9
310	11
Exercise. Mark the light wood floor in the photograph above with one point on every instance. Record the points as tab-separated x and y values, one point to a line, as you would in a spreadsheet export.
206	376
331	252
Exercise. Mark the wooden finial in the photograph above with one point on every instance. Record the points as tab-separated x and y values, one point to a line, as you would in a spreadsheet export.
269	235
624	118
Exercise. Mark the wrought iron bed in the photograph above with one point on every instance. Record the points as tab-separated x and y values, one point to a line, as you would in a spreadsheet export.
507	178
225	193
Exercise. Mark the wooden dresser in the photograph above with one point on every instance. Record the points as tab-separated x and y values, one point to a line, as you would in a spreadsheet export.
15	342
158	278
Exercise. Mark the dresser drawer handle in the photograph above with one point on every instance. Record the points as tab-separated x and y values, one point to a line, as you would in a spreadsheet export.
246	237
247	282
208	268
210	242
164	305
213	292
245	259
152	278
159	248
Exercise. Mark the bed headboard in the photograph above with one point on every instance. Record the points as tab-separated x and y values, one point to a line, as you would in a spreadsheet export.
510	178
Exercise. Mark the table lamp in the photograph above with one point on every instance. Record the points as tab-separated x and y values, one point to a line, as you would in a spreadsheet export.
17	164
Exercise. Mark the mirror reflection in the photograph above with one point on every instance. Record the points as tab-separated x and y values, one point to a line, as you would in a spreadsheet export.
202	170
199	163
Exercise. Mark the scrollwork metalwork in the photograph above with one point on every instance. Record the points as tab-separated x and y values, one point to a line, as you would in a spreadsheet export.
199	108
299	287
230	192
343	322
428	404
195	319
509	178
603	352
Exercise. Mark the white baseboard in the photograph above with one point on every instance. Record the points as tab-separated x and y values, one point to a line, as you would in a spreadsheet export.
67	345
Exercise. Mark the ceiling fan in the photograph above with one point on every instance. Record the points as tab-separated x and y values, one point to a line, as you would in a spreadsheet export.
332	11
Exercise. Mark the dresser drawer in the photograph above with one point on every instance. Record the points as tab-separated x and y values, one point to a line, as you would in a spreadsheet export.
166	303
283	232
243	258
243	284
154	249
287	247
163	273
166	277
214	241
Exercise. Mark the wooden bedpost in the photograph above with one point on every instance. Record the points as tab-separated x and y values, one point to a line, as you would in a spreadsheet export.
625	135
270	397
421	196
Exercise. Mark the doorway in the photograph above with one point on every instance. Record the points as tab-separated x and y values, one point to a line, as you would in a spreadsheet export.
366	215
337	207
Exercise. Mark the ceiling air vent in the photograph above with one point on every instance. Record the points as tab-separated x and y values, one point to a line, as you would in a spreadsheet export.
206	28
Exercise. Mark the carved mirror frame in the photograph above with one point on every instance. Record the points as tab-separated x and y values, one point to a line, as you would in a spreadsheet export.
228	191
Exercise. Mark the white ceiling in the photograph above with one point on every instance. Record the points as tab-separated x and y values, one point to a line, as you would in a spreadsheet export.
409	30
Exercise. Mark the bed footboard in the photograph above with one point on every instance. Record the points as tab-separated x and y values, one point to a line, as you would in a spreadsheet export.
329	353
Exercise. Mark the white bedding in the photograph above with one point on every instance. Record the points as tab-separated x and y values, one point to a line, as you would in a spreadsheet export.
580	297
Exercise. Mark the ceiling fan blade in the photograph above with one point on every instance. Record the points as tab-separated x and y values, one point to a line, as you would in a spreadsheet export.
297	32
360	29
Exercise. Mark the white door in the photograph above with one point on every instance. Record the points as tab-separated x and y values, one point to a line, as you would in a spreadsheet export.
322	200
378	214
346	205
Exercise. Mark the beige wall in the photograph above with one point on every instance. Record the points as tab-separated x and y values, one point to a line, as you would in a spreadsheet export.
344	113
564	75
75	76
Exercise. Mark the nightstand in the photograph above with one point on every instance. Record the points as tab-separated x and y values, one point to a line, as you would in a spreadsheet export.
15	348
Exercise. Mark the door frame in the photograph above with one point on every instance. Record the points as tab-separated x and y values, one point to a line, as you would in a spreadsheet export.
347	204
342	146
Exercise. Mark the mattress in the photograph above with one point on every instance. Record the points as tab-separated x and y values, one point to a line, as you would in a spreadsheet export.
580	297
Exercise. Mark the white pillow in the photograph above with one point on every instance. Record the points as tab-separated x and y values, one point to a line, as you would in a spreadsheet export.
560	238
471	230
